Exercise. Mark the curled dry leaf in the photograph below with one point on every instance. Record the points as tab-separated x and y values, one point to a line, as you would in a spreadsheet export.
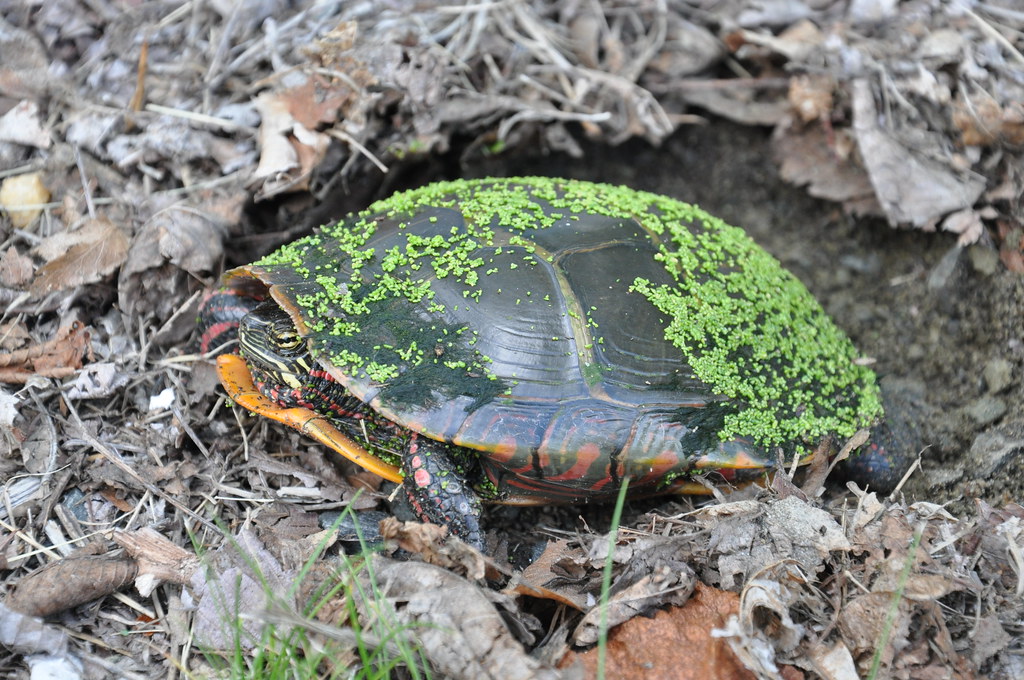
432	544
22	197
559	574
458	628
650	573
55	358
70	582
290	145
912	188
102	251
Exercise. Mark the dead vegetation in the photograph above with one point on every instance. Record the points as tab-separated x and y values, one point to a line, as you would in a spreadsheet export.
143	146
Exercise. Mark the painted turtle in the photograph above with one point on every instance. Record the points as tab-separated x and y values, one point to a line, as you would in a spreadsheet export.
536	340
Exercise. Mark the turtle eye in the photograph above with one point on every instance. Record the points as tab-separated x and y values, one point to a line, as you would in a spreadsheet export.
287	340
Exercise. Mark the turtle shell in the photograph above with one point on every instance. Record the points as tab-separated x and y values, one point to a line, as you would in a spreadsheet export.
572	333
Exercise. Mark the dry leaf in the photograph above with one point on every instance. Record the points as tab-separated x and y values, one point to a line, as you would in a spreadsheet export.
15	269
805	158
24	62
25	634
979	118
811	97
290	145
56	358
967	223
86	262
21	126
23	190
559	574
675	644
912	188
455	623
70	582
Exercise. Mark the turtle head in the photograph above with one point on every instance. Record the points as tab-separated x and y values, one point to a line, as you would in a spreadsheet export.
892	448
269	341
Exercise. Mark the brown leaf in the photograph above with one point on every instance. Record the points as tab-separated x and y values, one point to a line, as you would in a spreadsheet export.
912	187
676	644
455	623
70	582
56	358
546	579
86	262
15	269
806	157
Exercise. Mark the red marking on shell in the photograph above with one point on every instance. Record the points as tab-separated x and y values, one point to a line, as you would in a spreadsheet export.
740	460
657	467
504	452
586	456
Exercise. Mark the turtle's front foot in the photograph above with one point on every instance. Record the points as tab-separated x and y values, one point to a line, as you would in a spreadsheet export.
437	488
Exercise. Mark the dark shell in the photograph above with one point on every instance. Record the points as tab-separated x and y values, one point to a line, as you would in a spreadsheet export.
518	335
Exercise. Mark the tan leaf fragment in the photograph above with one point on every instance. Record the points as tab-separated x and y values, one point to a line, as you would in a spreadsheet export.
86	262
811	97
967	223
15	269
290	144
806	158
558	574
21	125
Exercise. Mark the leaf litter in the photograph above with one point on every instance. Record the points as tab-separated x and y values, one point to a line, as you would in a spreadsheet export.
154	129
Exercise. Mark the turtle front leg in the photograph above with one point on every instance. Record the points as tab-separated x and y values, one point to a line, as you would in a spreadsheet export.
437	488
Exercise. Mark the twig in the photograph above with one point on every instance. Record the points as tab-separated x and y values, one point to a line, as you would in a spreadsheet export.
991	32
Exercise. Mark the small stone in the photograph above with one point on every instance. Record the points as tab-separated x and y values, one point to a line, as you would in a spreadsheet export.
995	449
987	409
984	259
998	375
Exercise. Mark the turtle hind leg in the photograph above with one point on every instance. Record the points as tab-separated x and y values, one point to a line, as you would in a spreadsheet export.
435	483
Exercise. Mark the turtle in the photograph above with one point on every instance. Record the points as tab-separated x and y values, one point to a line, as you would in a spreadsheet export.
535	340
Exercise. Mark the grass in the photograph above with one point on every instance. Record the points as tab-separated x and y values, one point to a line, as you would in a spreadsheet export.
606	580
293	645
